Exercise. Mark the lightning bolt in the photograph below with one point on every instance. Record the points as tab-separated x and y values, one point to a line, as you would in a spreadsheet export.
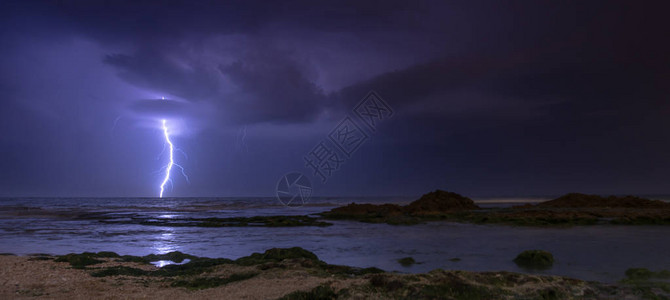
171	163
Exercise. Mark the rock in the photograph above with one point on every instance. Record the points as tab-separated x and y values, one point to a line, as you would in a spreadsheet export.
428	206
276	255
406	261
440	201
535	259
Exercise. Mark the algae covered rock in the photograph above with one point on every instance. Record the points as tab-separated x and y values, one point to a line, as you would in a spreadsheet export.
406	261
535	259
80	261
646	274
276	255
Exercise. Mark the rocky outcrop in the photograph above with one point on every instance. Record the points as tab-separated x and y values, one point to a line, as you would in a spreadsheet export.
431	204
439	202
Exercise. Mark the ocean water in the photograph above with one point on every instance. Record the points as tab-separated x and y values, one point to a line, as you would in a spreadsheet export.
65	225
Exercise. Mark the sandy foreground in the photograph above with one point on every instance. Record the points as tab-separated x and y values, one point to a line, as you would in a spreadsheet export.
26	277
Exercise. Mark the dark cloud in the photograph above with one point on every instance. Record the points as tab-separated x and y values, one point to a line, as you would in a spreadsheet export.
556	96
151	69
264	85
147	20
271	87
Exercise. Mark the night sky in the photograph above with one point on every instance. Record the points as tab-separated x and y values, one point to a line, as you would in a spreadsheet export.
489	98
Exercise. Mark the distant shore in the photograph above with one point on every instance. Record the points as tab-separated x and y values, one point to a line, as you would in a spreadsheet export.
292	273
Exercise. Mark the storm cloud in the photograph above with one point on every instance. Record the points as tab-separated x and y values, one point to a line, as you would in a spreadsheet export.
491	98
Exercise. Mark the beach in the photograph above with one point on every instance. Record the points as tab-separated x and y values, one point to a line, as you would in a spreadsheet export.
135	241
24	278
276	274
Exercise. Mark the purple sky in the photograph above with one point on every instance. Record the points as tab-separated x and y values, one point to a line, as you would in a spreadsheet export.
490	98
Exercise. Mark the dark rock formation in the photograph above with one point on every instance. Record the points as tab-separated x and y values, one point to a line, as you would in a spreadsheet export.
440	201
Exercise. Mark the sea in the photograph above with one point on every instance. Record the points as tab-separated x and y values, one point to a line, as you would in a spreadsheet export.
73	225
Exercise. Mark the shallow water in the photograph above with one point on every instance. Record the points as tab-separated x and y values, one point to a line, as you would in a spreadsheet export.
59	226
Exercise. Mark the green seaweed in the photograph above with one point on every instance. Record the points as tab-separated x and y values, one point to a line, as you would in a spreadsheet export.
456	290
196	266
37	258
210	282
321	292
648	283
276	255
79	261
107	254
482	216
383	281
89	258
375	218
641	220
508	217
347	271
174	256
550	294
121	270
646	274
271	258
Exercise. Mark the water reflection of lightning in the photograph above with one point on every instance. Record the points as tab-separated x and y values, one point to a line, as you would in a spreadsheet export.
171	163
